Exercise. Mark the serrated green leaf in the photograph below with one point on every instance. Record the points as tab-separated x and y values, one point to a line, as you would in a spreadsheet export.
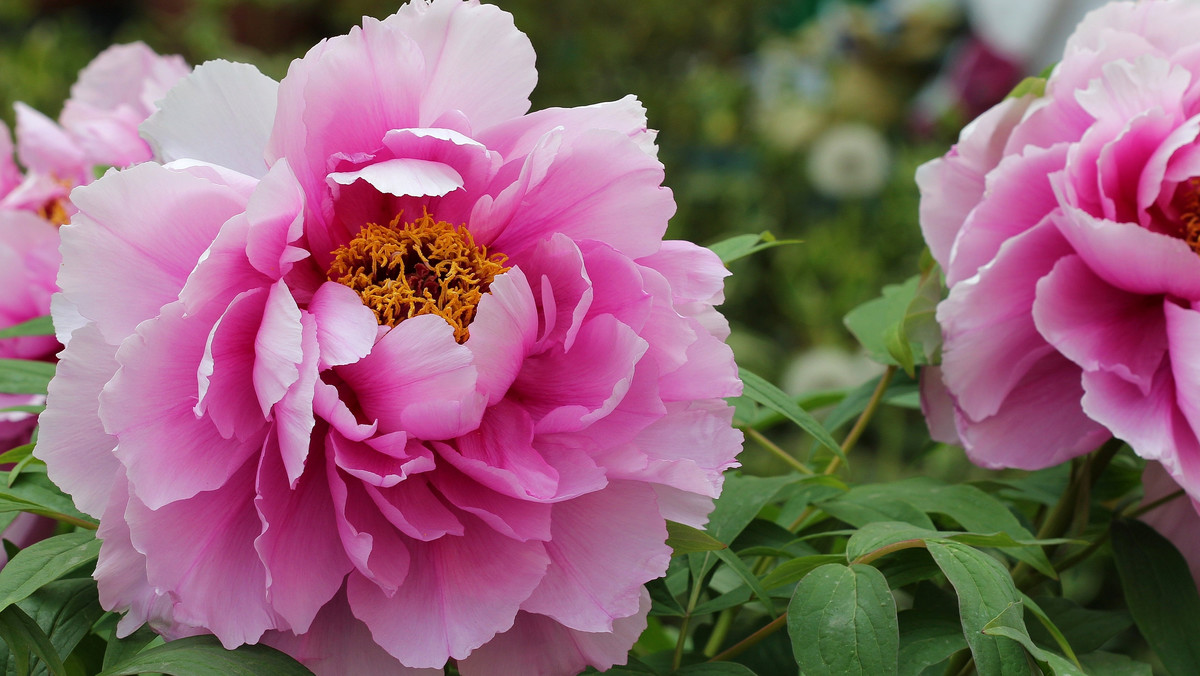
842	622
775	399
984	591
926	640
204	656
23	636
38	326
684	539
1152	572
740	246
1010	623
22	376
43	562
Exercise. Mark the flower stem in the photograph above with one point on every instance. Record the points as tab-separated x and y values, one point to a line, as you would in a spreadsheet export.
693	599
865	417
779	452
751	640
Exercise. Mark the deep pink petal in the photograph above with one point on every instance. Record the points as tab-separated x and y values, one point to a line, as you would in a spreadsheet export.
371	543
500	455
519	519
299	544
418	379
168	452
503	332
1100	327
346	328
1039	423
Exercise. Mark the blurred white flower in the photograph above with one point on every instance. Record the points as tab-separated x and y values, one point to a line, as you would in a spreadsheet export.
1031	32
849	161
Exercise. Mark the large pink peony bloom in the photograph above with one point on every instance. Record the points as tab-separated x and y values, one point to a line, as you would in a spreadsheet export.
389	371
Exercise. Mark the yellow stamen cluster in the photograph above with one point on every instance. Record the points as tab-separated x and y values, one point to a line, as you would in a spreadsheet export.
405	269
1190	216
55	211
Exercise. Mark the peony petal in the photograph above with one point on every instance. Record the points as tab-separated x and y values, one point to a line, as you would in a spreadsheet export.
221	113
518	136
417	379
337	644
413	509
168	453
503	332
371	543
346	328
460	592
143	264
518	519
275	219
538	646
45	148
1099	327
403	176
604	546
500	455
299	544
1040	422
201	550
72	441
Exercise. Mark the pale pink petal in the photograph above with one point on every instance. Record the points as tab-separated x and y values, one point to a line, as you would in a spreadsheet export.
275	215
45	148
459	593
518	136
121	572
403	176
278	347
226	392
201	550
29	261
938	407
604	546
346	328
221	113
78	452
294	416
10	175
475	60
143	263
696	274
538	646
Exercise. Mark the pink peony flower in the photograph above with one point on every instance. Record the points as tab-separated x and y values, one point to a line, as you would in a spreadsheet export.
1068	226
114	94
389	371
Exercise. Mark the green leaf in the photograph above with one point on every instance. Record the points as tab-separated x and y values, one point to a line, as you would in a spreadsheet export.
21	376
22	635
1109	664
684	539
204	656
1055	633
740	246
1030	85
34	492
842	622
662	600
65	611
984	591
926	640
741	499
873	536
43	562
794	570
119	650
1160	593
729	599
38	326
775	399
971	508
714	669
1085	629
730	559
859	508
1010	623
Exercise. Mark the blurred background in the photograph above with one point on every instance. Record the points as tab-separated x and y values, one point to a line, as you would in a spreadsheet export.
802	118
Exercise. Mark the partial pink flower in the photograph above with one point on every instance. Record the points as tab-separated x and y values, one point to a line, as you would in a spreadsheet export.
390	371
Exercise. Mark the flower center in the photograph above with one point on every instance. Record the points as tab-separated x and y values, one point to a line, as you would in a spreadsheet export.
55	211
1189	216
421	267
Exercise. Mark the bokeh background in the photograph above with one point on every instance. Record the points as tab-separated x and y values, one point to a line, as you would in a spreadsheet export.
802	118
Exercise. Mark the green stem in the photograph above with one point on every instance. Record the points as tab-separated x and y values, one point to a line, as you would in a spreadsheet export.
677	659
865	417
776	450
720	631
751	640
